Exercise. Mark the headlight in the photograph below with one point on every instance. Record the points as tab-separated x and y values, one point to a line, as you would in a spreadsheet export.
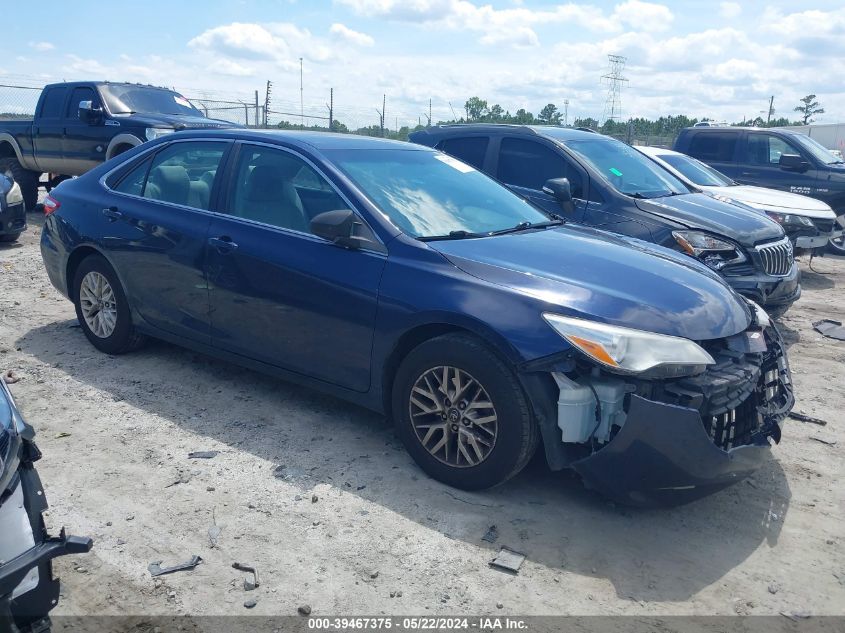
152	133
716	253
14	195
627	351
790	219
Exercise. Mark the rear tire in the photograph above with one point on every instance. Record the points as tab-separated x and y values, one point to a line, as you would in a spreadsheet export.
102	309
482	438
12	237
27	180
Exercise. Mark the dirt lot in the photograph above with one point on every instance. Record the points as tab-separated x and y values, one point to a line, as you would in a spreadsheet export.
379	527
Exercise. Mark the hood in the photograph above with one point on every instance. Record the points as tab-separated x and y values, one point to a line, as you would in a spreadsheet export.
701	211
774	200
175	121
582	272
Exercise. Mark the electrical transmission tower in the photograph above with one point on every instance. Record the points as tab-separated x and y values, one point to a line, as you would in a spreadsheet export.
614	82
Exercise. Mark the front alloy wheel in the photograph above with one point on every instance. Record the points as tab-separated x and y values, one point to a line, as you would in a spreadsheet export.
453	417
462	413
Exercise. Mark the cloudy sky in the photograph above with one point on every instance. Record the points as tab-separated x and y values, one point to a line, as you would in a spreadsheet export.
720	60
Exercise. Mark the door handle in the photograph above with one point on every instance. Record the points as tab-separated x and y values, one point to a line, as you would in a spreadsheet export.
112	214
223	244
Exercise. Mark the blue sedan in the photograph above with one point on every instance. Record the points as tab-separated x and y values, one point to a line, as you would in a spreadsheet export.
404	280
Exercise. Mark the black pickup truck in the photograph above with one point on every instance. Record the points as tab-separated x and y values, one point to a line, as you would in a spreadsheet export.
79	125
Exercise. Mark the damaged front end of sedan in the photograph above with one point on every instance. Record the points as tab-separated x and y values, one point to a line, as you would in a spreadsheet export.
28	590
665	439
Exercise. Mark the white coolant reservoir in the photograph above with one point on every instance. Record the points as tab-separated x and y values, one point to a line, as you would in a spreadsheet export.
576	407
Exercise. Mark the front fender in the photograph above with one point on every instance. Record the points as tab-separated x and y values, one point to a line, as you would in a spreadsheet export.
121	139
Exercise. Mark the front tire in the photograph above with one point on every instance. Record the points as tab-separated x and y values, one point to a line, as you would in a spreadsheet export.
462	414
837	246
102	308
27	180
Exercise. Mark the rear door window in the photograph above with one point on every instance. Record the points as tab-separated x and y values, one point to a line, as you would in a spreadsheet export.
529	164
470	149
53	102
183	173
715	147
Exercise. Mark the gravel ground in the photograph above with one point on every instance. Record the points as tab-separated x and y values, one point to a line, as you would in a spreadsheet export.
322	498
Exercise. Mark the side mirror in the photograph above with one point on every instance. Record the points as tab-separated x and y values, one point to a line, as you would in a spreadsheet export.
88	113
560	189
792	162
341	227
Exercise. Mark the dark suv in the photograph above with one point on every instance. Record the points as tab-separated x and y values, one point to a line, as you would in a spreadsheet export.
610	185
774	158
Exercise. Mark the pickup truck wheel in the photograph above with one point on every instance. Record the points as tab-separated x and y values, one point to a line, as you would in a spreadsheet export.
462	413
13	237
27	180
102	309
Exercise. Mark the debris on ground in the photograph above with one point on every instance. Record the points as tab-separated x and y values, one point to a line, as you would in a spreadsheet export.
214	534
830	329
249	585
491	535
59	436
10	378
314	498
807	418
203	454
304	609
508	560
249	604
156	569
823	441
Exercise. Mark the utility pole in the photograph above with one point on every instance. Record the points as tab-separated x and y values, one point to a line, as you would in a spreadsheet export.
381	113
330	106
429	112
256	109
771	110
565	112
267	101
301	97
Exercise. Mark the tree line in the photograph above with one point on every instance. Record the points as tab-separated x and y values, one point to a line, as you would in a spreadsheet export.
477	110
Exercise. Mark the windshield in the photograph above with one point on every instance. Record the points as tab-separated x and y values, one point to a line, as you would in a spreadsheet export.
696	171
428	194
819	151
127	99
626	170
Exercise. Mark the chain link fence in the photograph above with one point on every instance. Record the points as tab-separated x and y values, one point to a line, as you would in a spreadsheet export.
17	102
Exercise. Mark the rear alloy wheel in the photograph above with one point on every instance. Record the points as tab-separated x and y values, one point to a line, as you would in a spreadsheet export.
102	309
462	414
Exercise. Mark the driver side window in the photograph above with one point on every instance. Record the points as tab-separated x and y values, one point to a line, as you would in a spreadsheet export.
529	164
275	187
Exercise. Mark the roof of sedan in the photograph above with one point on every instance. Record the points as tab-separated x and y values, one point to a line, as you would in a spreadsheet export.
317	140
